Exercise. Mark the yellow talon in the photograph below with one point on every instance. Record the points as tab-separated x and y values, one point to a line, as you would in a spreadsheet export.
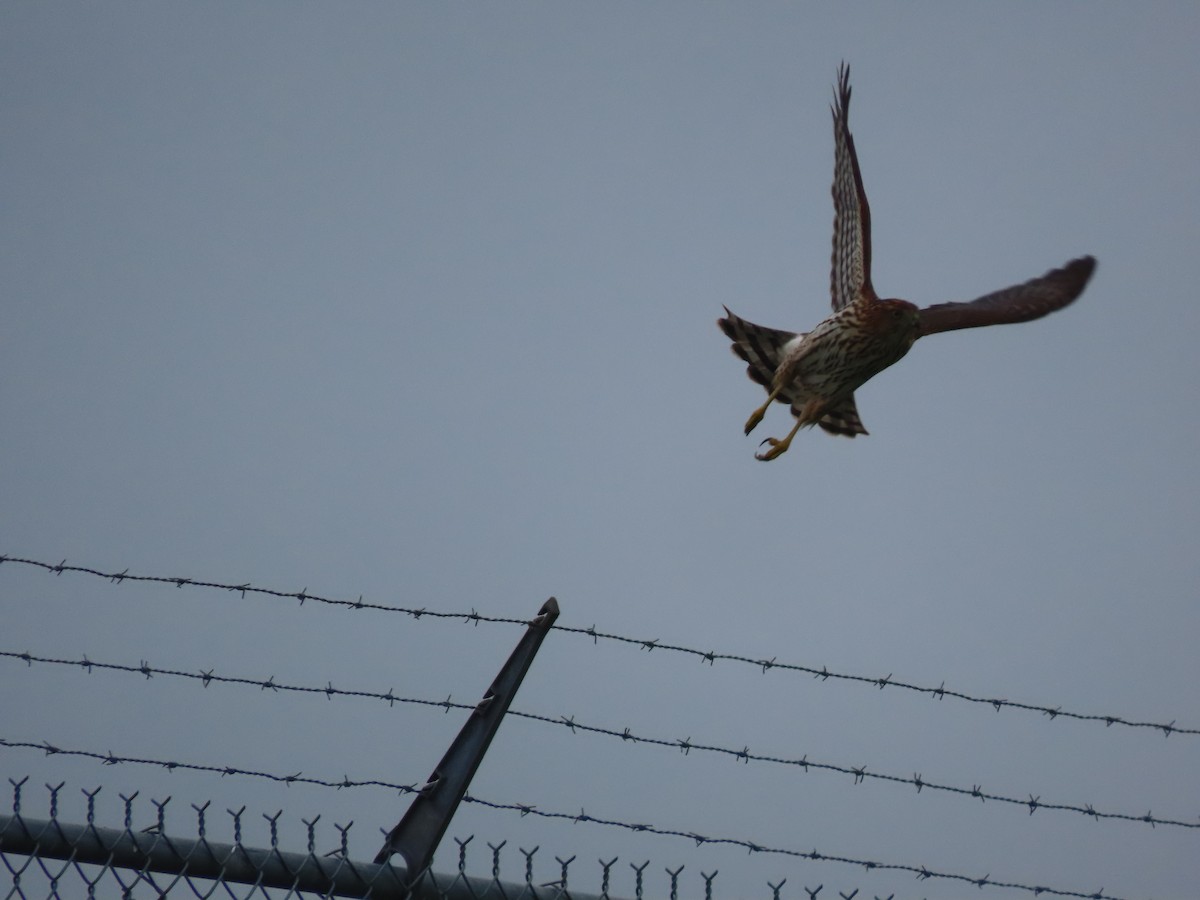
780	447
757	415
755	418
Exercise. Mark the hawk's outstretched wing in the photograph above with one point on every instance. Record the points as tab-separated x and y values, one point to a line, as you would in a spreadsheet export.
851	266
1019	303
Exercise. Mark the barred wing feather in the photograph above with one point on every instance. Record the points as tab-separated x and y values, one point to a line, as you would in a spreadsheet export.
1020	303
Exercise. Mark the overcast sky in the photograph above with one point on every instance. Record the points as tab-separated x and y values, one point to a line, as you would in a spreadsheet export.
416	302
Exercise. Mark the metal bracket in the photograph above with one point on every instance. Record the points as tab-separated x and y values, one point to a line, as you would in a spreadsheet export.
419	832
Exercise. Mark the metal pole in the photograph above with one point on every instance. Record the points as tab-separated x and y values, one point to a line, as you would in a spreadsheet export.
418	833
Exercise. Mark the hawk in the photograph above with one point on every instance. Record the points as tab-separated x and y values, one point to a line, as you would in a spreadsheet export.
816	373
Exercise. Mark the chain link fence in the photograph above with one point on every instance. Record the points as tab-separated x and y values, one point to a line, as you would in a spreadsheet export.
52	858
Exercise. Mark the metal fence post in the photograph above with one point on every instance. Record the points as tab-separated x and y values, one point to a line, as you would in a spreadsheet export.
418	833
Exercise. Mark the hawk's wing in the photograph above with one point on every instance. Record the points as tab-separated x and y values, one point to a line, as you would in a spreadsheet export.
1019	303
851	267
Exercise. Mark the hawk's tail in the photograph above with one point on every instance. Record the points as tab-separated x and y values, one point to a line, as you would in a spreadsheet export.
843	419
761	348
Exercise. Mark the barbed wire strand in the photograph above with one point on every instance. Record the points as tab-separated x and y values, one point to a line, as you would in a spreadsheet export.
860	774
921	872
710	656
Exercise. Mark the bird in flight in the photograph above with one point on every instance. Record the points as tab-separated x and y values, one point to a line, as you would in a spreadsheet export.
816	373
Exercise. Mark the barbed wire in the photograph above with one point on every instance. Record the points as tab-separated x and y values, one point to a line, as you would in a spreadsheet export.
921	872
860	774
710	656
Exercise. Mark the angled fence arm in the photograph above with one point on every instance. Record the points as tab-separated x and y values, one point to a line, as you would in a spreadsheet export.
419	832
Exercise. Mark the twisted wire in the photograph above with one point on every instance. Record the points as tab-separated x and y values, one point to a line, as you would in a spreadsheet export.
921	872
709	656
684	745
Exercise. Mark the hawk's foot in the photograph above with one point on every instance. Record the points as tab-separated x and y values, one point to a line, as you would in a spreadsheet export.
757	415
778	448
755	418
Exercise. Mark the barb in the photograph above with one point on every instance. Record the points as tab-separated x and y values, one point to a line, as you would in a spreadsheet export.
921	872
860	774
709	656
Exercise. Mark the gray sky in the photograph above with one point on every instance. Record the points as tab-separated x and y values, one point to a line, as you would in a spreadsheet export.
416	301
